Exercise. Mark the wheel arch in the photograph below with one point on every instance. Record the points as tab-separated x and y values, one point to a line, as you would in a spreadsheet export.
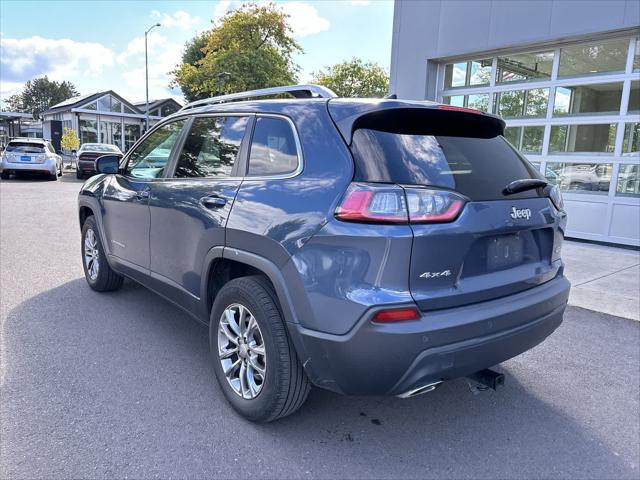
84	212
224	264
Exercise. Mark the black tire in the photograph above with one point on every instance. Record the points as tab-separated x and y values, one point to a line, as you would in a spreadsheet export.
60	172
79	175
53	176
106	279
4	175
286	385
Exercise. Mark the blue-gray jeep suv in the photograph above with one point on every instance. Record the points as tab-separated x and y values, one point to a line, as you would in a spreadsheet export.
362	246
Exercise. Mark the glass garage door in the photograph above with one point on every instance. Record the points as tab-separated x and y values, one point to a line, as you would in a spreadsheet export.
574	111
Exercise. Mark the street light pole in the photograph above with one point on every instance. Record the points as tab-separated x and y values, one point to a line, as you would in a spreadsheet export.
146	74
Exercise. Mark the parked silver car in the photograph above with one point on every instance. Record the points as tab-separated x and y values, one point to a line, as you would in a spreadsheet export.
34	155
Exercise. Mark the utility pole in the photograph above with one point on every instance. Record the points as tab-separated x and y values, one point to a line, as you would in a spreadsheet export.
146	74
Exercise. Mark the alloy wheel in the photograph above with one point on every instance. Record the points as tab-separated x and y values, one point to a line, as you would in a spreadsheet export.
241	351
91	254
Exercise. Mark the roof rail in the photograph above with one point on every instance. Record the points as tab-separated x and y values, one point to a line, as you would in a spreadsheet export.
298	91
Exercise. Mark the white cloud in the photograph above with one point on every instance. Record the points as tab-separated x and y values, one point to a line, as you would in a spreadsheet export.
179	19
224	6
136	45
63	59
303	19
360	3
163	58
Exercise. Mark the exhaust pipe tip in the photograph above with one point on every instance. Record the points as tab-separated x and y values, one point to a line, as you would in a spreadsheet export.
414	392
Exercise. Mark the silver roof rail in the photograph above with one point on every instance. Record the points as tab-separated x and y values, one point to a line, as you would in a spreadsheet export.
298	91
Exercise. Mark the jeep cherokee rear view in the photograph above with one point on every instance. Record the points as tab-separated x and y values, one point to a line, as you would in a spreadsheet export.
361	246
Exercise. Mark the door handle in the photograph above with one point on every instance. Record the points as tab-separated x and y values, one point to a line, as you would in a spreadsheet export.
213	202
142	194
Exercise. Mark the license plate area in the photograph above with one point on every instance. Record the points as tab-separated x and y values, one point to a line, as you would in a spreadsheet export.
25	158
504	252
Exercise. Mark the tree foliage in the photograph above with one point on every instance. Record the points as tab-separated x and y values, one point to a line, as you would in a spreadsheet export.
69	140
354	78
251	48
39	95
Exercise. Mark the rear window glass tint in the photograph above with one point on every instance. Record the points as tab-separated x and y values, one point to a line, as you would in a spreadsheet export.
479	168
273	148
25	147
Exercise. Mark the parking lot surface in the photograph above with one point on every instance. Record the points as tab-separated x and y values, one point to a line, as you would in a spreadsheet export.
120	385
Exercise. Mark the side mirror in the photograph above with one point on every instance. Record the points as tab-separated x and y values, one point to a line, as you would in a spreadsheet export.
108	164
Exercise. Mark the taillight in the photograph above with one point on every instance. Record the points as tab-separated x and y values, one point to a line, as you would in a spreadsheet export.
396	315
373	204
433	206
379	203
556	197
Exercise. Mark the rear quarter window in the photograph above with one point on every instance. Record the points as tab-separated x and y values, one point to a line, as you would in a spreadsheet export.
273	148
479	168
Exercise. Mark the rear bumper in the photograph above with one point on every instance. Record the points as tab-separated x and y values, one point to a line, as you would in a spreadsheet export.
445	344
87	166
48	167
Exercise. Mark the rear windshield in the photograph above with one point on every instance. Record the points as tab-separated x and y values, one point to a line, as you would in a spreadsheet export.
25	147
479	168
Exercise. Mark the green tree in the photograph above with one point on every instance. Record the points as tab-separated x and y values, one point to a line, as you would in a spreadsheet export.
69	140
251	48
354	78
39	95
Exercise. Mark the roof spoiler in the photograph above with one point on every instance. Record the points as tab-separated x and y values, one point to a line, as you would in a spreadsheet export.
430	119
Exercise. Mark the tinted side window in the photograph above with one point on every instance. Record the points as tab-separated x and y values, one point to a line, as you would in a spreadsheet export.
212	146
149	158
273	148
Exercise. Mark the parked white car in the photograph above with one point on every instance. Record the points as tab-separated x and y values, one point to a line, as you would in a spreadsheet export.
33	155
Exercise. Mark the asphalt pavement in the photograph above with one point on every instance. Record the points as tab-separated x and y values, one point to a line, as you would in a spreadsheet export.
120	385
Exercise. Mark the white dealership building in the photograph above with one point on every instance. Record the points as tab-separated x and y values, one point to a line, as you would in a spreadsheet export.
565	76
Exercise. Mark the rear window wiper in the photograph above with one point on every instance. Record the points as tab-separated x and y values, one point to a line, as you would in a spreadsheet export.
523	185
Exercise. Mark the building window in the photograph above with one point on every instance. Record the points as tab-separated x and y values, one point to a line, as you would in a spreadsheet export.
595	99
111	132
104	104
631	137
634	98
90	106
536	165
131	135
128	110
522	103
88	131
524	67
580	177
593	59
628	181
636	56
168	109
526	139
468	74
478	101
596	138
116	105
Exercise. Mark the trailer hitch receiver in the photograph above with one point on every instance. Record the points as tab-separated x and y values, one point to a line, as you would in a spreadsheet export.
488	378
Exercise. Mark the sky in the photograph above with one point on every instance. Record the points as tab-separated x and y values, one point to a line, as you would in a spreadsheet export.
99	45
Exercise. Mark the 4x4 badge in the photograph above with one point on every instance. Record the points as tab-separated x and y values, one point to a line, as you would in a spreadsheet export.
517	213
445	273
